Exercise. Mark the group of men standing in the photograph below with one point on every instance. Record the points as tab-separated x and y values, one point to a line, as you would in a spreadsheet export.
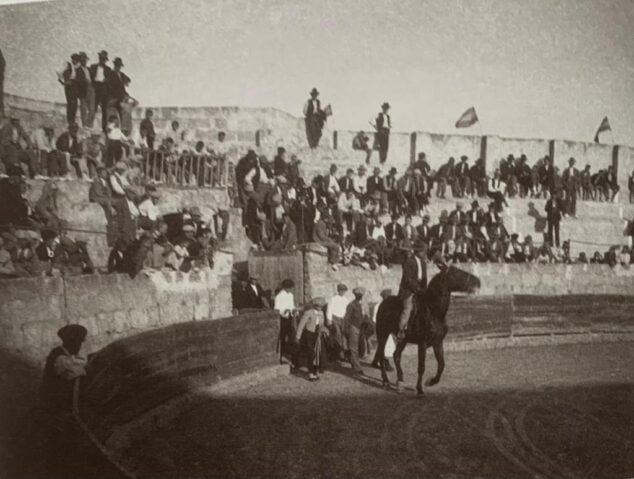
93	87
315	119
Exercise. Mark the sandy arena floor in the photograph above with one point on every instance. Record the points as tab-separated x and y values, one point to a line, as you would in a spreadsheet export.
542	412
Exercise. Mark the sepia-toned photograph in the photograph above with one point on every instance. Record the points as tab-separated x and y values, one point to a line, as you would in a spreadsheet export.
298	239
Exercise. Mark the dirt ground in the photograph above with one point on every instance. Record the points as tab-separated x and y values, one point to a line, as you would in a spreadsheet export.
542	412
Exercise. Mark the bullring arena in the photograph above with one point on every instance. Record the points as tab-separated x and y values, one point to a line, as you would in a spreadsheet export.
176	375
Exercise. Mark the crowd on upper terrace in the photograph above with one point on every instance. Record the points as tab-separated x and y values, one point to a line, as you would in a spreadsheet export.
348	214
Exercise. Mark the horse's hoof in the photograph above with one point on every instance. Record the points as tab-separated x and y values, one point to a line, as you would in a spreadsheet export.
431	382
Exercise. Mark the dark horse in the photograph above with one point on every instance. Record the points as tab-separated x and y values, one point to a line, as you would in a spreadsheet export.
427	326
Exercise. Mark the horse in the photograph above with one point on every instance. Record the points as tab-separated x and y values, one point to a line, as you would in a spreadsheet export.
427	325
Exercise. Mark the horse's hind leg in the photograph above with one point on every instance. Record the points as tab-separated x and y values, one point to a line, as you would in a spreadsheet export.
380	356
439	352
422	352
400	346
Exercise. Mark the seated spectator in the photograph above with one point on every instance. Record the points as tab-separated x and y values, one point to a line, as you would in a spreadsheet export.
446	176
127	215
200	252
349	208
360	142
361	184
596	258
625	256
495	190
13	209
68	143
254	296
582	258
46	207
44	143
147	127
7	269
77	260
529	250
94	153
138	255
515	250
115	142
115	258
321	236
149	212
101	193
288	238
16	147
50	252
118	181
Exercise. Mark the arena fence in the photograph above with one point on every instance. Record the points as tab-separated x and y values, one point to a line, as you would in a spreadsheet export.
206	171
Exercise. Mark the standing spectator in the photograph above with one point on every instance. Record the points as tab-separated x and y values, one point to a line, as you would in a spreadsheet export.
612	184
547	176
314	119
462	177
63	367
353	319
445	175
383	128
100	76
115	141
374	183
335	313
72	78
586	184
93	150
554	213
421	191
523	174
421	164
148	127
284	304
118	181
308	337
16	147
87	93
630	186
571	182
119	81
477	174
349	209
360	143
390	346
127	216
69	145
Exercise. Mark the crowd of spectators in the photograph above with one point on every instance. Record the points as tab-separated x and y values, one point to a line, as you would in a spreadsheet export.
367	220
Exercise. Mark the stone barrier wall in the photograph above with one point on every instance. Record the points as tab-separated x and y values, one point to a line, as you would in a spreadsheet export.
131	376
496	279
109	306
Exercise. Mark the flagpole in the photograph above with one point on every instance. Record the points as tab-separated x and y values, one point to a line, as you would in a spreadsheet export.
612	135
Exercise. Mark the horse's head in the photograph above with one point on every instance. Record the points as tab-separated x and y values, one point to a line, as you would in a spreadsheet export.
461	281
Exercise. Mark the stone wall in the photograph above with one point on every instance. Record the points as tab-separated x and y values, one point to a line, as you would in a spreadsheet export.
496	279
438	148
498	148
110	306
132	376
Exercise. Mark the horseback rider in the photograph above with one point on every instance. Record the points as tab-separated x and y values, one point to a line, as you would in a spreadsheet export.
414	281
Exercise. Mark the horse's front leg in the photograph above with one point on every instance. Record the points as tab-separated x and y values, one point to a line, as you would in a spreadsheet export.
439	352
380	356
422	352
397	363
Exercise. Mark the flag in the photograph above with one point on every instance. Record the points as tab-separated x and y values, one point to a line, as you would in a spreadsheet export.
467	119
328	110
604	126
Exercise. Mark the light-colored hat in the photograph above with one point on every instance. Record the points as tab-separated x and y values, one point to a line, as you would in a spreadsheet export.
120	165
187	228
155	194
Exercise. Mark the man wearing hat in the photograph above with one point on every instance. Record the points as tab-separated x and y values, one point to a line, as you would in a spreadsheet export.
280	164
389	197
375	184
571	178
394	239
462	177
413	281
424	231
361	185
335	312
331	182
87	94
44	143
69	146
353	319
308	337
254	296
383	128
314	118
72	77
118	180
101	76
390	346
149	212
63	367
118	84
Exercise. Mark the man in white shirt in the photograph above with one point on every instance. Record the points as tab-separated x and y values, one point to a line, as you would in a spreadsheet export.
496	189
361	184
331	183
118	180
350	209
335	312
284	304
148	207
